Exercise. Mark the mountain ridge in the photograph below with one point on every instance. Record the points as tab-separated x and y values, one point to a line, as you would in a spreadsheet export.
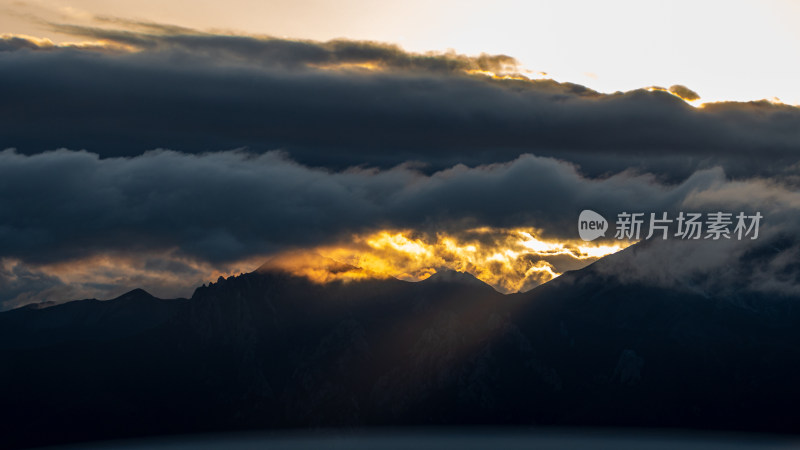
268	350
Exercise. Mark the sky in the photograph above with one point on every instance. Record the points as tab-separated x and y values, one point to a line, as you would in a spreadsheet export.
732	50
164	146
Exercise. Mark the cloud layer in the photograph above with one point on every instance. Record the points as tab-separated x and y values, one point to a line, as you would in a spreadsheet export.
223	206
217	209
138	86
341	138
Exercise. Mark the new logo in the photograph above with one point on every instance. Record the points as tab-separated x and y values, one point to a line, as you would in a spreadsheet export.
591	225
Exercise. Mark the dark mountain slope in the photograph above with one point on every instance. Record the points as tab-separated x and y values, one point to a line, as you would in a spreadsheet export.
269	350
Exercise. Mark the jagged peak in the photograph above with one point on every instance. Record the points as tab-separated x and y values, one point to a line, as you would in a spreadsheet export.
445	275
137	293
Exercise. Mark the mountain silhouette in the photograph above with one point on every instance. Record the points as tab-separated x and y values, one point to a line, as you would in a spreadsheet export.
269	350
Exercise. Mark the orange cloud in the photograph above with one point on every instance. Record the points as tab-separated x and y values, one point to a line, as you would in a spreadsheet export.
510	260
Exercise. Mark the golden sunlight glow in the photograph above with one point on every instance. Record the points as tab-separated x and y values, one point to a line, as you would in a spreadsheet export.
496	76
376	66
368	66
697	103
45	43
510	260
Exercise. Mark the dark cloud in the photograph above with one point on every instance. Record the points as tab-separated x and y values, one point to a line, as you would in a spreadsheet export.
684	92
273	52
21	285
193	92
229	205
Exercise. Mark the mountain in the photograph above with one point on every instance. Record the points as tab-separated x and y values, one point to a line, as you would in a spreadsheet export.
268	350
